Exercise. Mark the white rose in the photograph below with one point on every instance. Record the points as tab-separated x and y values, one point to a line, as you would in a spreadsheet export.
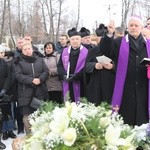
69	136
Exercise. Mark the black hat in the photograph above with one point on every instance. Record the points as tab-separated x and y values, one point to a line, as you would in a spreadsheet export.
84	32
73	32
101	30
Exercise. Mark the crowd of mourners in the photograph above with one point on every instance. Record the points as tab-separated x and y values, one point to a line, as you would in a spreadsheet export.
72	68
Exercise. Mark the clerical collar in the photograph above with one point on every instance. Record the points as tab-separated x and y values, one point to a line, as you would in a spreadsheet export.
75	49
136	39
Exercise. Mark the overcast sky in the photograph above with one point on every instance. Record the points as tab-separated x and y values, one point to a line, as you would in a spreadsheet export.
97	10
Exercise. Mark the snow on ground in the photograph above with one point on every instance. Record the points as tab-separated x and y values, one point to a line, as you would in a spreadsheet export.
9	141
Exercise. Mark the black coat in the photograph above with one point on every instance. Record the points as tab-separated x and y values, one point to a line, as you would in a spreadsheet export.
5	75
99	83
26	71
5	78
134	106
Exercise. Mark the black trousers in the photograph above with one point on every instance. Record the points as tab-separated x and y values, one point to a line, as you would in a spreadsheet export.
55	96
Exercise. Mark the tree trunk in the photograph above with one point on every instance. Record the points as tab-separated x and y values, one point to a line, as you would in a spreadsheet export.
59	17
3	22
43	15
10	27
78	14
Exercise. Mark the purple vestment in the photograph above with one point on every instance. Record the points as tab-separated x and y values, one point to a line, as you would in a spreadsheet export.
121	73
80	64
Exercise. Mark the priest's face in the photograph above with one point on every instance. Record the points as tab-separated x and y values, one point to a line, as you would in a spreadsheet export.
86	40
134	27
75	41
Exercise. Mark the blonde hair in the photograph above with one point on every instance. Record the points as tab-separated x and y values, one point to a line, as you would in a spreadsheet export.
26	43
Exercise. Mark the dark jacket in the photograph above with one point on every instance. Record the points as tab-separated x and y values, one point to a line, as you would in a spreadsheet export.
5	76
26	70
12	91
59	48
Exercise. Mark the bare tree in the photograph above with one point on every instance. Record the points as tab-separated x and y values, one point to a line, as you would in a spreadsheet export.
42	3
10	26
125	11
78	17
59	18
3	20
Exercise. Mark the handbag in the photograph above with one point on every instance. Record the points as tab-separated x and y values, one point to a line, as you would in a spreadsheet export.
5	100
35	103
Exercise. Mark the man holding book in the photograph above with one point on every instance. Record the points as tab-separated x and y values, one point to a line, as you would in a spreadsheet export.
132	86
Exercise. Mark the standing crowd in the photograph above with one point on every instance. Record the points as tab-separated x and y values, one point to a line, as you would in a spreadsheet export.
72	69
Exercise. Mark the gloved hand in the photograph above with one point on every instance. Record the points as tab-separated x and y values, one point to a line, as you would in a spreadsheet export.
64	77
2	93
71	78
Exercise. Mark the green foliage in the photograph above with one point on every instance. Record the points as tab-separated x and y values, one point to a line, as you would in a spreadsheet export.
48	106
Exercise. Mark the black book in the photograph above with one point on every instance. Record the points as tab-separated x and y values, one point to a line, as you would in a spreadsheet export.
145	61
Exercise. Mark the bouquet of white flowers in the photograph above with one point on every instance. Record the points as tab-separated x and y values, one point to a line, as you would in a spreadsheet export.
82	127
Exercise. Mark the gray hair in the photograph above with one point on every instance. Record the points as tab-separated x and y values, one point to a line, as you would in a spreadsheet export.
136	18
119	30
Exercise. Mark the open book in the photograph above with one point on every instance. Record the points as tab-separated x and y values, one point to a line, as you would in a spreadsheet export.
103	59
145	61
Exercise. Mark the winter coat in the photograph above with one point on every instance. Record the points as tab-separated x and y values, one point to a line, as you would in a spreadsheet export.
26	70
5	75
53	82
59	48
13	84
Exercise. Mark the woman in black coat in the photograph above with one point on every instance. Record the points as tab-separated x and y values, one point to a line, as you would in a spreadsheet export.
31	73
4	86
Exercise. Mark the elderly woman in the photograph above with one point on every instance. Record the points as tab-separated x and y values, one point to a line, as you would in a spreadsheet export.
31	73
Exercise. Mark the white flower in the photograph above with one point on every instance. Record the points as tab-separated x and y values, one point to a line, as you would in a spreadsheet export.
111	147
60	121
61	125
112	135
36	145
104	121
69	136
140	132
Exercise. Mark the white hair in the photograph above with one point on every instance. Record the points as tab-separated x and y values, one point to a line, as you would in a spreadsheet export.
136	18
2	48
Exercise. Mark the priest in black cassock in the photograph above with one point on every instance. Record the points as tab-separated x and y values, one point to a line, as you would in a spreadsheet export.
100	77
70	67
86	38
132	87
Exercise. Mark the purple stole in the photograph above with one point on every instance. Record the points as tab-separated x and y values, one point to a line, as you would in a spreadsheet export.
79	66
121	74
